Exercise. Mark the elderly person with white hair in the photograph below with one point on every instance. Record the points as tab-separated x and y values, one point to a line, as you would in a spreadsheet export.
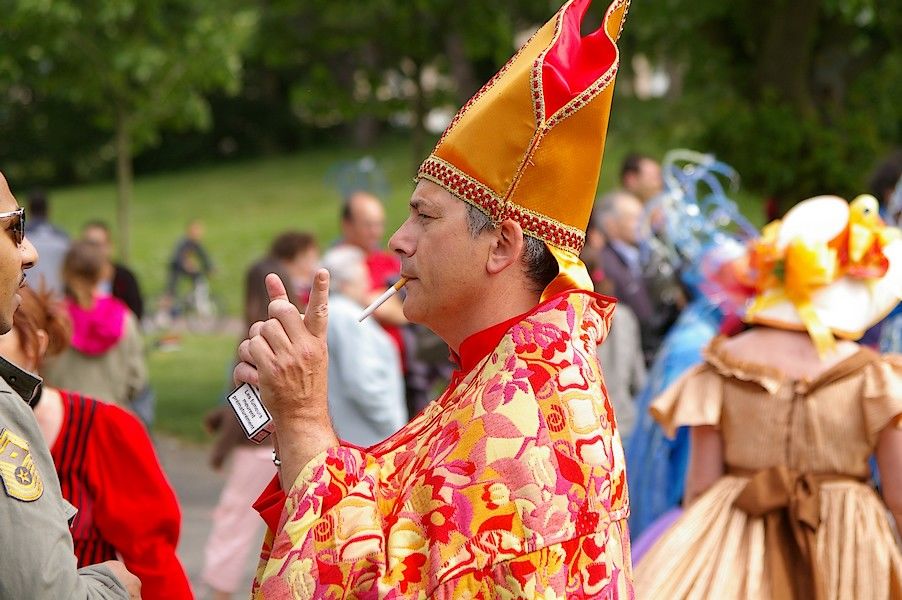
366	388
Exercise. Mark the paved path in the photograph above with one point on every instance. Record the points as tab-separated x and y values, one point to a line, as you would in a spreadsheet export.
197	487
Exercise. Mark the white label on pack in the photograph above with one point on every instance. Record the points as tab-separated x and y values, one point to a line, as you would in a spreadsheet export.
253	416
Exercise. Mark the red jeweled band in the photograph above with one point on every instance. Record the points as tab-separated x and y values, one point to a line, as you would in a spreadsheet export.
471	191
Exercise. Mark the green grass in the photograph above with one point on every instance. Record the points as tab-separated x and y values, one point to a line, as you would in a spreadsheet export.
189	381
243	206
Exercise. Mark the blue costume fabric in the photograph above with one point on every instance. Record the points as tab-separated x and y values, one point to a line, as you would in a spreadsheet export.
656	466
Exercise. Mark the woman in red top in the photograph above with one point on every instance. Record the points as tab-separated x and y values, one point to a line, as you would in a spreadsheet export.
105	461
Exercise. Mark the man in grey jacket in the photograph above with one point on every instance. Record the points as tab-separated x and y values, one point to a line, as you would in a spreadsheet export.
38	561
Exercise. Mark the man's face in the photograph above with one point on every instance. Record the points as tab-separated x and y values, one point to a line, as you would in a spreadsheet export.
446	267
647	183
99	237
14	259
196	230
365	226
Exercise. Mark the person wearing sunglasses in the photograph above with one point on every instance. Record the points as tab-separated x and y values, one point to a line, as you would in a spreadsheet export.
34	519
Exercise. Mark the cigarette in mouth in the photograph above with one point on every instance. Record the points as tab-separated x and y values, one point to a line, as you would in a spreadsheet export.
381	299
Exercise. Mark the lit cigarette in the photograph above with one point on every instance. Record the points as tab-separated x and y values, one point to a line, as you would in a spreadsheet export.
381	299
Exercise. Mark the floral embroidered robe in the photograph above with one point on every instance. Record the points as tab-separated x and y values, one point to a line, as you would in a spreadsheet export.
511	485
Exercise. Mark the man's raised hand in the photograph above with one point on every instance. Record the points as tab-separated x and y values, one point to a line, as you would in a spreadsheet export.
290	355
282	312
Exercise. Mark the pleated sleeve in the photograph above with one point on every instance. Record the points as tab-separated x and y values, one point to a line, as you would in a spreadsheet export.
882	395
694	399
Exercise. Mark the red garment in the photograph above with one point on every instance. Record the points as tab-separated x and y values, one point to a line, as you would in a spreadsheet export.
519	461
385	269
109	471
270	503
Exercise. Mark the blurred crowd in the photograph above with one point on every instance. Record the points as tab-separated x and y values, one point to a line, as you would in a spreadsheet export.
81	326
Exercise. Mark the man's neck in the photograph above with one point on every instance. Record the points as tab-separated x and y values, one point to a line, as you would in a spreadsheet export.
489	311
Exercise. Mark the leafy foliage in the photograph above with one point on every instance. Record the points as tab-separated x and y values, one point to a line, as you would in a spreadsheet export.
134	66
797	95
149	59
800	95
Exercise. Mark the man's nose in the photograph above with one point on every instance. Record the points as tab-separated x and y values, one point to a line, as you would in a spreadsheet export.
29	254
401	241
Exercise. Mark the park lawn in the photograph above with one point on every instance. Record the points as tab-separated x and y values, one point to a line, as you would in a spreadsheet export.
243	206
190	381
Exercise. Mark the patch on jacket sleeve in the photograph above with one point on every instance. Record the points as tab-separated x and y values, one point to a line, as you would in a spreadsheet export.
20	476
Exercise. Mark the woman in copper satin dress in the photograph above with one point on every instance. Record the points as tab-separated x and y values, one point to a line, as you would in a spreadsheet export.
779	502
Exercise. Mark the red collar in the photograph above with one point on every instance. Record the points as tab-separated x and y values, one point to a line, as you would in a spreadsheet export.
477	346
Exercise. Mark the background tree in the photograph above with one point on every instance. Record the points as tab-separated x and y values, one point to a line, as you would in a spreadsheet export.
134	66
796	94
366	62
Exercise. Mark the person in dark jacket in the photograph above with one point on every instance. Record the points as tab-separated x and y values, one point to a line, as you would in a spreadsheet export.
621	214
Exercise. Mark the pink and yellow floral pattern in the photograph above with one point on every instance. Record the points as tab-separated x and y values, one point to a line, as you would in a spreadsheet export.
511	485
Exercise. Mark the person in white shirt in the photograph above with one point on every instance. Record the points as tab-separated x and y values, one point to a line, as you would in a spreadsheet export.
366	388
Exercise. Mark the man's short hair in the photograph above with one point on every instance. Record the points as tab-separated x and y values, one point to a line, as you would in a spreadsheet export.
345	263
291	243
348	200
538	262
632	164
97	224
886	176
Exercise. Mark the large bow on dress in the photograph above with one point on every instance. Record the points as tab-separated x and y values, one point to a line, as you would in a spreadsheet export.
789	503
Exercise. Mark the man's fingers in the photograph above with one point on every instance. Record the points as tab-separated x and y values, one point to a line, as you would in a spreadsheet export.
275	288
275	334
245	373
244	352
287	314
255	330
260	351
281	308
317	313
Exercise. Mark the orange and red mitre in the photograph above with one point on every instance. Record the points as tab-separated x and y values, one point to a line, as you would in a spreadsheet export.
528	146
829	267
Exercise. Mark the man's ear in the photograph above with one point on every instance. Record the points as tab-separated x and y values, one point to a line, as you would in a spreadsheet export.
506	248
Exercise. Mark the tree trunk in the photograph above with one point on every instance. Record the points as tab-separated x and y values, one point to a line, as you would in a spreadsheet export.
784	62
418	141
124	184
365	131
465	83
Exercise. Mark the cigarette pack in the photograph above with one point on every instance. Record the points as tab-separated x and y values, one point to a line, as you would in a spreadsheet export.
254	418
